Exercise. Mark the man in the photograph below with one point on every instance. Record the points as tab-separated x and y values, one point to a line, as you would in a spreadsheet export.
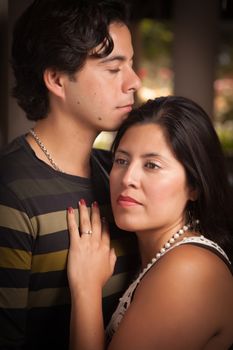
72	62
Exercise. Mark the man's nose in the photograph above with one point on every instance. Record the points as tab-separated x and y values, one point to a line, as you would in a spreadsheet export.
132	81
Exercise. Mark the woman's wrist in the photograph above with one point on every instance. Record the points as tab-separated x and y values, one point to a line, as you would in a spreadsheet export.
90	292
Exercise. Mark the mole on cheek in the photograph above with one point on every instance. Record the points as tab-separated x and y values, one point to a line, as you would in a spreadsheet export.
99	118
78	102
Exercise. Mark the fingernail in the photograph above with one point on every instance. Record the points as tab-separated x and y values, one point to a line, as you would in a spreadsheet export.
82	202
95	204
70	210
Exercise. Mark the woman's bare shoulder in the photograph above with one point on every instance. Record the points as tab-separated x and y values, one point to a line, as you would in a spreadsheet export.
193	265
183	302
188	292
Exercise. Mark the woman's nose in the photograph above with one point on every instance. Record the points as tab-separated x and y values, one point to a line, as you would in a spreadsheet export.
131	177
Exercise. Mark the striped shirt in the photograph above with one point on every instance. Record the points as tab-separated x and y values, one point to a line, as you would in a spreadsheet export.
34	241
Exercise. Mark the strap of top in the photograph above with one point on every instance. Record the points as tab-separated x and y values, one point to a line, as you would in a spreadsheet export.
201	240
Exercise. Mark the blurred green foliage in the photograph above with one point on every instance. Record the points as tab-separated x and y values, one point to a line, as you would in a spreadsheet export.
157	38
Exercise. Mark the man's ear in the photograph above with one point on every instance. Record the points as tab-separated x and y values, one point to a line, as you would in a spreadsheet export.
53	80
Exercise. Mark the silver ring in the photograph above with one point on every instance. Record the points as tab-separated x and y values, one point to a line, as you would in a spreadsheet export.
89	232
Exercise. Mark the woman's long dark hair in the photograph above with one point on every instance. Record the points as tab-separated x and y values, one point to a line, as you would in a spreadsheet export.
193	139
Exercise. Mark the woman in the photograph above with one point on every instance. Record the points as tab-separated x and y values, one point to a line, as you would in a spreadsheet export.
168	184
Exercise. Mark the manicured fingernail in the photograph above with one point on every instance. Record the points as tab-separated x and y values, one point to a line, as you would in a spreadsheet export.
82	202
95	204
70	210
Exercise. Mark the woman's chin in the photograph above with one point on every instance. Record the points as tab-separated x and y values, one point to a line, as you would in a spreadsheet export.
126	226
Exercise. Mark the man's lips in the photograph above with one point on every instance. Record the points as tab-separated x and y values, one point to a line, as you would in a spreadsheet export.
127	201
126	107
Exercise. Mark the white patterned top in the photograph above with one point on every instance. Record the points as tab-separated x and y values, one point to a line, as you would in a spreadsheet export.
126	299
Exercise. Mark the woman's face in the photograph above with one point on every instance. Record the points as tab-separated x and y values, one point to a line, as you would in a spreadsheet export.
148	184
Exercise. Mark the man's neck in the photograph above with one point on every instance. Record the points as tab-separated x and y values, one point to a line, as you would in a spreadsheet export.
68	144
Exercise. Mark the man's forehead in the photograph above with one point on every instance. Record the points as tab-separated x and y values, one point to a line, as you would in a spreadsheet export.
122	45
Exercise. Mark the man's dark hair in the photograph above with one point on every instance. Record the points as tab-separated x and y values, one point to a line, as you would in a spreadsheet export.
193	139
58	34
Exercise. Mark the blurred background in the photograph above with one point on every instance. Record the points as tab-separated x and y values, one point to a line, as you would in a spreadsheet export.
182	47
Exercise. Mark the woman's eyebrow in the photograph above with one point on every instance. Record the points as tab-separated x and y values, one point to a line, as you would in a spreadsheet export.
123	152
145	155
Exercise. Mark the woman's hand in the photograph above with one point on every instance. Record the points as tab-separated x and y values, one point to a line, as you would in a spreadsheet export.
91	261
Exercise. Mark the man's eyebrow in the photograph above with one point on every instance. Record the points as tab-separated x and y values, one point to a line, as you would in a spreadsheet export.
120	58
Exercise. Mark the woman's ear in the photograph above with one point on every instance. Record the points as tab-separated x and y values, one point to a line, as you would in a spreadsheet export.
193	194
53	80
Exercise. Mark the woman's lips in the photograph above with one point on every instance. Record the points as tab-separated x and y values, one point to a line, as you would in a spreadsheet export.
126	201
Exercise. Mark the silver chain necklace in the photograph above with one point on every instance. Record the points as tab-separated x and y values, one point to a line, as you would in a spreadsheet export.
44	149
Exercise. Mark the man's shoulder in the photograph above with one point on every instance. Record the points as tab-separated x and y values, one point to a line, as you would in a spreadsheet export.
14	158
11	148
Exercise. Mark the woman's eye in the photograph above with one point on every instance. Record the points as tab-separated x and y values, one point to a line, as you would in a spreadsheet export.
152	165
120	161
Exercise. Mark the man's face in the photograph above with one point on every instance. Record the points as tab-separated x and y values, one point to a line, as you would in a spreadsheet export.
102	93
